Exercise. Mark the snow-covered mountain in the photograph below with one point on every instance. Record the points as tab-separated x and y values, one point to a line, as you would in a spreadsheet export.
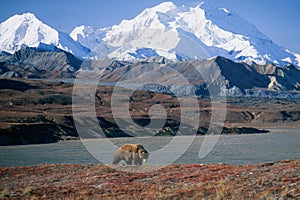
181	32
88	36
167	30
26	29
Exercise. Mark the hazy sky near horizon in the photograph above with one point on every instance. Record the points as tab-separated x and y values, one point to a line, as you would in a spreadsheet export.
279	19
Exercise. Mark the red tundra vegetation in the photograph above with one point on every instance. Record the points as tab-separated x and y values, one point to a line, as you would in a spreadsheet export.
276	180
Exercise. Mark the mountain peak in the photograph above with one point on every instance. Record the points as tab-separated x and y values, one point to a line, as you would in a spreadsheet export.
79	30
164	7
29	16
27	29
23	17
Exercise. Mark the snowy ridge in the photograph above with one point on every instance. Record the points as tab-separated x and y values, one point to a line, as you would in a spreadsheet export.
26	29
192	32
88	36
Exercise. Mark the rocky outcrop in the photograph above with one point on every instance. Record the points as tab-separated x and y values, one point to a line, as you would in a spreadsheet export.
234	130
36	134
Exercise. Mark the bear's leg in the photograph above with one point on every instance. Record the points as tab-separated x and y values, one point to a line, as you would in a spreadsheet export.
128	161
138	161
116	160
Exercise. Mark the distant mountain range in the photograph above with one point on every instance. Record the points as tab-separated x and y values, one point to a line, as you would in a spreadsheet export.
174	32
158	74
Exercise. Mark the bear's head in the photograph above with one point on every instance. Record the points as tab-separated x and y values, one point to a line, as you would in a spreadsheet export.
142	152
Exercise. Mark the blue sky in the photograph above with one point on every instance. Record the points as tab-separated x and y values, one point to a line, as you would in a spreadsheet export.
279	19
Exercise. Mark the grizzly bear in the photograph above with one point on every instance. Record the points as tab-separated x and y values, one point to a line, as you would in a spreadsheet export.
132	154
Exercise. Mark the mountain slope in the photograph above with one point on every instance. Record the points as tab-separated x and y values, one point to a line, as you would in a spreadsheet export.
215	76
186	33
27	29
31	62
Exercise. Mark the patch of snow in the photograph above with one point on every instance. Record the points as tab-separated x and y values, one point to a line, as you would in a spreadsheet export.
274	85
297	57
225	10
79	30
287	59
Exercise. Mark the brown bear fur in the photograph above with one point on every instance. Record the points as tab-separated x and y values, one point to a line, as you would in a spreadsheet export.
132	154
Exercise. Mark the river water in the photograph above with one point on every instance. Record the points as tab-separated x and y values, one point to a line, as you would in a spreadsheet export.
230	149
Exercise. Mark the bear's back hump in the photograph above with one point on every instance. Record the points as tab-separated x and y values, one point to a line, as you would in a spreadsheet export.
129	147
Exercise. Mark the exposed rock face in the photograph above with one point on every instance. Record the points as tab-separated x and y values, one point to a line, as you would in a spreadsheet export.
31	62
218	76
